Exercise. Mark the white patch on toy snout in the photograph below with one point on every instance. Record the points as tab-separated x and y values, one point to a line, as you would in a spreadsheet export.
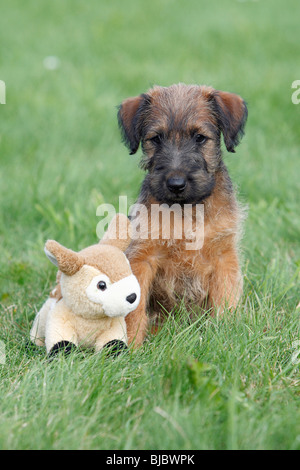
114	298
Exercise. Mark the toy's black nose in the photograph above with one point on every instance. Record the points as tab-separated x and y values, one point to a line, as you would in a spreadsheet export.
131	298
176	185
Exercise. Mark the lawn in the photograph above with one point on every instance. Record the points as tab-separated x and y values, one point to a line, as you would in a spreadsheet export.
232	383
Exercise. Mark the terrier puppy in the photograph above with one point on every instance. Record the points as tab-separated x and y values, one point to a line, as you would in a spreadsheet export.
179	128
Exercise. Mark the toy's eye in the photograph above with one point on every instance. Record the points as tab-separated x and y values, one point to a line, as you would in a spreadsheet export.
101	285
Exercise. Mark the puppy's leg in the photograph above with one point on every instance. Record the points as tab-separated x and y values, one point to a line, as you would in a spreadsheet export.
137	321
226	283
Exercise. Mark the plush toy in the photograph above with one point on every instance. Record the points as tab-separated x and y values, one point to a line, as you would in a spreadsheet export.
95	291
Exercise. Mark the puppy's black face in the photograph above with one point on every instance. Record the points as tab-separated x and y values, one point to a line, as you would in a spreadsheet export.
178	170
179	128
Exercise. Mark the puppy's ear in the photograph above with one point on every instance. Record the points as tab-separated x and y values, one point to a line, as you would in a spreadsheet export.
130	118
232	115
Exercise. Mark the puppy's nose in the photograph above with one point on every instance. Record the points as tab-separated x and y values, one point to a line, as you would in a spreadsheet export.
131	298
176	184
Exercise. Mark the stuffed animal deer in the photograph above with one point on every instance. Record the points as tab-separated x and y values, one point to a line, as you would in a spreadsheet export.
96	290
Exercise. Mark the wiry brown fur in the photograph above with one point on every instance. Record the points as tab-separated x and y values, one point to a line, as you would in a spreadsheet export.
167	122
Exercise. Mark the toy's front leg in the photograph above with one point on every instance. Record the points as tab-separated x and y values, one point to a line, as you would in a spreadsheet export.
38	330
60	332
115	338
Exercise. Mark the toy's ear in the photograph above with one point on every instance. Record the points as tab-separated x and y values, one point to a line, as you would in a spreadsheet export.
66	260
118	233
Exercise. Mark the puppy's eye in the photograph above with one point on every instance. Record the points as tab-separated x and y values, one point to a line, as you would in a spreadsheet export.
156	139
200	139
101	285
159	168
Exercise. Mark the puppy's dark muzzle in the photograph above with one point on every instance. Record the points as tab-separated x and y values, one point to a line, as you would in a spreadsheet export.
176	185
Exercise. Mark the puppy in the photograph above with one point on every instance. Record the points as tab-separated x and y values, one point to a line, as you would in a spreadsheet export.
179	128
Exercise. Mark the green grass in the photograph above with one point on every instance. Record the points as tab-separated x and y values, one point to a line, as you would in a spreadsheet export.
228	384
